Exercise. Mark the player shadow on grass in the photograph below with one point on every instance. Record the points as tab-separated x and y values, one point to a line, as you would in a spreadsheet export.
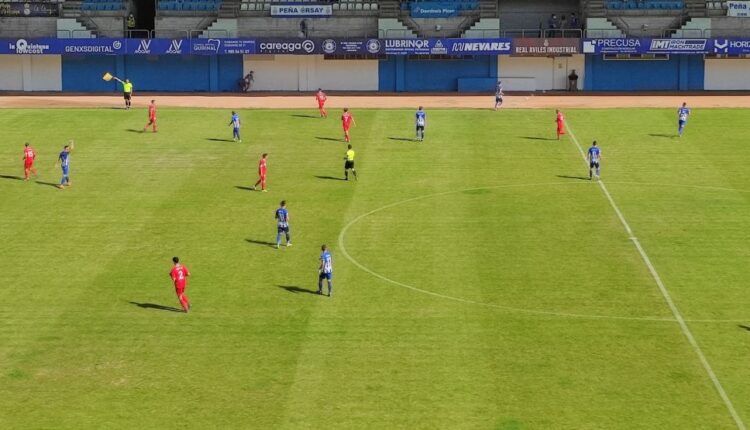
330	138
240	187
403	139
51	184
261	242
538	138
744	327
213	139
296	290
669	136
583	178
297	115
17	178
134	130
333	178
155	306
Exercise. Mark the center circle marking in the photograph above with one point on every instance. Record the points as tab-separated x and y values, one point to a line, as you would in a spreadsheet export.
342	247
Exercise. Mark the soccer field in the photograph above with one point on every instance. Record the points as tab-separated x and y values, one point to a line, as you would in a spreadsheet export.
481	280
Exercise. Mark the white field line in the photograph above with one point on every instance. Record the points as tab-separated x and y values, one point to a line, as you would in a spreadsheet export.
667	296
343	250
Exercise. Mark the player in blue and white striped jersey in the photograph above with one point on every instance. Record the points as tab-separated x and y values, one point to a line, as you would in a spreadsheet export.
594	157
325	270
421	122
682	116
282	219
235	123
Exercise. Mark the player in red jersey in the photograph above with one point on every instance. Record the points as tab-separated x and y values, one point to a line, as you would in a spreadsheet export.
262	168
321	97
151	116
29	155
560	124
179	275
347	120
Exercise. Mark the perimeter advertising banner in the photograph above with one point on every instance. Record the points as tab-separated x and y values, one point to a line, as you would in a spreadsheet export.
372	47
28	9
301	10
222	46
535	47
666	46
739	9
496	46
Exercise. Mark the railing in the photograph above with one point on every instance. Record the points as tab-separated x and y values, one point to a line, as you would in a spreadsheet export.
481	34
219	32
540	33
394	33
138	33
76	34
608	33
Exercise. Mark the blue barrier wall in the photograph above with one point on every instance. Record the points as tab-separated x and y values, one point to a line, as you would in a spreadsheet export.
153	73
679	73
399	73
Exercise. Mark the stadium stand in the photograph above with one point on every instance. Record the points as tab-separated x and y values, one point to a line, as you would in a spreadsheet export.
521	18
645	4
103	5
190	5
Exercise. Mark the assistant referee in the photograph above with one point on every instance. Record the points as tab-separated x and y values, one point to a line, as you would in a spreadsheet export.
127	91
349	164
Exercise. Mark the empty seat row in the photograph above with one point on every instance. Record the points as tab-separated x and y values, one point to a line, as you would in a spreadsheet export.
645	4
189	4
358	5
102	5
459	4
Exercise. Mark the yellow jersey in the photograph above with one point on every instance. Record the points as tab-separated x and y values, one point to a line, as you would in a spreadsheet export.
350	155
127	87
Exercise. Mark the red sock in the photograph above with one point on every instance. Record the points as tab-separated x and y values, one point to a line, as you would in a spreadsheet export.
184	302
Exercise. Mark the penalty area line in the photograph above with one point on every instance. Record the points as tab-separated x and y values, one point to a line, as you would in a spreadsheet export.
665	293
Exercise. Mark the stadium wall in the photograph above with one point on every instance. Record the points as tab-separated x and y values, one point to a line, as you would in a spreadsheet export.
310	72
727	74
678	73
472	74
30	73
153	73
540	73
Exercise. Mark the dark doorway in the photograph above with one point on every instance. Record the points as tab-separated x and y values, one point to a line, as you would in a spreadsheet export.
145	12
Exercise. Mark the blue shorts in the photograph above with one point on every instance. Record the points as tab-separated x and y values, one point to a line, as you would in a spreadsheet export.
283	229
65	170
324	275
681	123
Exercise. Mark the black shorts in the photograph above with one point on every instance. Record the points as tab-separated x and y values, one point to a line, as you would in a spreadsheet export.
126	96
349	164
594	164
498	99
282	229
420	128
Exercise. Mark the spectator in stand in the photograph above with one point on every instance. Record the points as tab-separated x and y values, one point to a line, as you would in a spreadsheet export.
131	22
553	23
303	29
563	23
573	81
249	79
573	21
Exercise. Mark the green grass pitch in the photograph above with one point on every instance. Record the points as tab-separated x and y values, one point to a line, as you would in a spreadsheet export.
497	289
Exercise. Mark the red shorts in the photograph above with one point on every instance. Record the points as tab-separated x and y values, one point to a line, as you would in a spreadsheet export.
179	288
321	104
560	129
262	174
152	119
27	164
347	127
